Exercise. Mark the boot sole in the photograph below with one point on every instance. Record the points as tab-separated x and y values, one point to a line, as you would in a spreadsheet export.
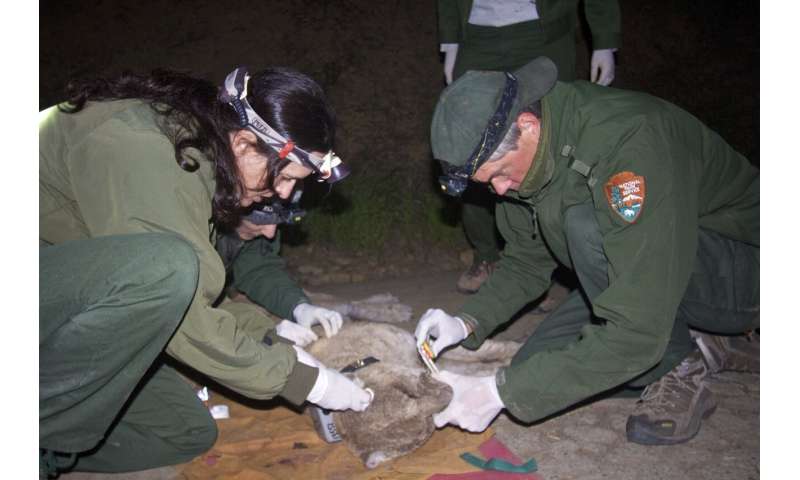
636	433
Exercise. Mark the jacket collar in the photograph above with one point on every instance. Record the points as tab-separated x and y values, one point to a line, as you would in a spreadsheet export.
543	166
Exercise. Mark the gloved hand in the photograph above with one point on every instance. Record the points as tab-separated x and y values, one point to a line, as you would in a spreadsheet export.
602	66
475	402
307	315
450	51
295	333
447	330
332	390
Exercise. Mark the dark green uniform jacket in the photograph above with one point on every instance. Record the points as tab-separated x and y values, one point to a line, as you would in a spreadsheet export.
558	17
109	170
658	175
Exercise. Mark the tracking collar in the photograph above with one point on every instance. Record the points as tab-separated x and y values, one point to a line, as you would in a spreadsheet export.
234	92
455	178
359	364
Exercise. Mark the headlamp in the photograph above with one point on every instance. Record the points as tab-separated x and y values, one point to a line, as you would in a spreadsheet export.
276	212
455	178
234	92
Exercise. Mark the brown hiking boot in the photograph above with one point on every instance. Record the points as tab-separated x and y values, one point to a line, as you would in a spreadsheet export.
471	280
735	353
671	409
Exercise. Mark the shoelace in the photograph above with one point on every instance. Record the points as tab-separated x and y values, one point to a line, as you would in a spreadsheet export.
675	380
477	267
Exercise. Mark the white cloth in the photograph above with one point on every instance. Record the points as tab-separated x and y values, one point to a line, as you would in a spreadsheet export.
499	13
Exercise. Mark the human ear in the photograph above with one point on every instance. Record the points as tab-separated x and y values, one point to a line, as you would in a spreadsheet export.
242	141
527	121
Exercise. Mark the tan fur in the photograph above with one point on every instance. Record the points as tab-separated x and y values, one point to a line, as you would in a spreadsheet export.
399	419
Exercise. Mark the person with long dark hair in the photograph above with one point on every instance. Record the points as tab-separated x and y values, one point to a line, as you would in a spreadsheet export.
137	175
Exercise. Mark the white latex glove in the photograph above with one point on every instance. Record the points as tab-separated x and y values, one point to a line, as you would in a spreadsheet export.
295	333
448	330
334	391
307	315
450	51
307	358
475	402
603	66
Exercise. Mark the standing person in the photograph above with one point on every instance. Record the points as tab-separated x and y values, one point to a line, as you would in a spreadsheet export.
135	174
505	35
657	215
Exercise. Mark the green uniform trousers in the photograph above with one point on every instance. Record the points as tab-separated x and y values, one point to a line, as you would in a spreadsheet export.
506	49
107	308
723	295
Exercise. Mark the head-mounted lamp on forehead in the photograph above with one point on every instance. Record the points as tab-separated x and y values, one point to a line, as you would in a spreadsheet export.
455	178
234	92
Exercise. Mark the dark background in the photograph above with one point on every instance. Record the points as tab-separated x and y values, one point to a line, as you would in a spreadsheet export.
379	62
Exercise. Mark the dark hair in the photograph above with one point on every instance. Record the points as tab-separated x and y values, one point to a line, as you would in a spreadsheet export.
195	119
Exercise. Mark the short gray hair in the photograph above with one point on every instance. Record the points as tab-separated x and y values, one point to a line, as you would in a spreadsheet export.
509	142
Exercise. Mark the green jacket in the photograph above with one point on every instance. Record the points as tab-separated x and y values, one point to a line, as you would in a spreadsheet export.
109	170
558	17
690	178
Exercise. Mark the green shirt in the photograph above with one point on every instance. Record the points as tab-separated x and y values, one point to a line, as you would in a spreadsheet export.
691	178
109	170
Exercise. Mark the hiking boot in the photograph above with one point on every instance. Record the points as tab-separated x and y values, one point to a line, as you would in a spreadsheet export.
51	463
735	353
471	280
670	409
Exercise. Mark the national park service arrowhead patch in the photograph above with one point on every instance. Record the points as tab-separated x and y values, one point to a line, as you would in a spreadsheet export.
625	193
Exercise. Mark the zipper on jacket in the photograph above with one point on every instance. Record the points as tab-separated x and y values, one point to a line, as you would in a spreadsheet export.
530	208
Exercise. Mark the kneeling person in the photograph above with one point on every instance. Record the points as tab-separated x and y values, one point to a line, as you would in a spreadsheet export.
657	215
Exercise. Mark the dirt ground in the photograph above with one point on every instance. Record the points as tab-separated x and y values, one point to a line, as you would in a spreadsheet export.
585	443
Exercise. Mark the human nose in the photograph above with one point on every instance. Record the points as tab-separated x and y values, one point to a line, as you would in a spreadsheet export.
500	185
285	188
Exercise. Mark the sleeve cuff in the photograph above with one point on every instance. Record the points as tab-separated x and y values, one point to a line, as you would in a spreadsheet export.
299	383
604	41
447	47
272	338
301	300
474	339
503	391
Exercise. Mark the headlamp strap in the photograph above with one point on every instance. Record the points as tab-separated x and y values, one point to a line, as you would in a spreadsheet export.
236	82
286	150
234	93
496	125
